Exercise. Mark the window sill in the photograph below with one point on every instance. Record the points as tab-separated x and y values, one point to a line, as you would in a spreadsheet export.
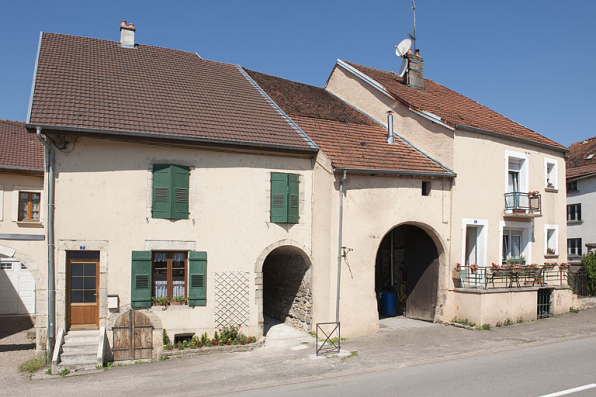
551	256
29	223
551	190
575	222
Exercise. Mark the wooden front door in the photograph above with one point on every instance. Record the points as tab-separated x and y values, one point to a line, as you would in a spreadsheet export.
83	292
133	337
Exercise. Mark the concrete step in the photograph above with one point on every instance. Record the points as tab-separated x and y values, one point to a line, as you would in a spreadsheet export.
80	347
78	357
77	367
78	337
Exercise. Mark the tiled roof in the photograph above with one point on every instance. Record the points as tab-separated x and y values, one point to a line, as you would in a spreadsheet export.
454	109
349	138
97	84
18	148
578	163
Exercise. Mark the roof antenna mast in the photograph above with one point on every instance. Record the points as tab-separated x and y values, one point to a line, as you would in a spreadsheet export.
413	36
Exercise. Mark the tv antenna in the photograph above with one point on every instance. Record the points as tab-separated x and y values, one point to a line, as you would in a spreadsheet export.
413	36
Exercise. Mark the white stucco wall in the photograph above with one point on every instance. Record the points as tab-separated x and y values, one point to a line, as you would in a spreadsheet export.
586	228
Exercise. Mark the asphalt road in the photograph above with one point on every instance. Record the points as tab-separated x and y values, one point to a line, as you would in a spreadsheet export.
544	370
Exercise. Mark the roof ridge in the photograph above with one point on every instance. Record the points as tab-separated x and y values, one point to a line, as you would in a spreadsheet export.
14	122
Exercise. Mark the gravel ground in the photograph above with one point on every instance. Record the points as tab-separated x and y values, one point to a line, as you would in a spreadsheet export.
15	348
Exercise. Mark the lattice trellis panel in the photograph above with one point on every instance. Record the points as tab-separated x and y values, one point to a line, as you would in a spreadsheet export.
232	291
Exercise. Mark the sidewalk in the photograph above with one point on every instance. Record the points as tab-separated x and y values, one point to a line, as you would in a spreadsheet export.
289	357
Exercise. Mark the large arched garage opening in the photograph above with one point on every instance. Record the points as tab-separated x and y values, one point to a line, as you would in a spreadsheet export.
407	265
286	287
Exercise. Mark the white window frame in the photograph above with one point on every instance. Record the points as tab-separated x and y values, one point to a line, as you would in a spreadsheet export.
554	173
16	191
579	247
555	229
526	229
481	240
524	160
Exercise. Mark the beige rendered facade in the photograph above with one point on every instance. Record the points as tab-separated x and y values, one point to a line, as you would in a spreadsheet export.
478	215
23	249
104	205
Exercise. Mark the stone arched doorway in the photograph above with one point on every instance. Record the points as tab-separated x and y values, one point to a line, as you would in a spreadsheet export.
407	265
286	288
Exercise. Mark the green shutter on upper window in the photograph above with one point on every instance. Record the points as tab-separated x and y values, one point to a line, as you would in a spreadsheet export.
180	176
140	290
293	198
197	278
162	182
279	198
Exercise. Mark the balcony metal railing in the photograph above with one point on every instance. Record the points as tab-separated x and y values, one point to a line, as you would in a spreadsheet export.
511	277
523	203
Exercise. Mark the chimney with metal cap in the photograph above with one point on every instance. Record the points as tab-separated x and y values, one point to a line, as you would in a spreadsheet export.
127	35
390	127
415	71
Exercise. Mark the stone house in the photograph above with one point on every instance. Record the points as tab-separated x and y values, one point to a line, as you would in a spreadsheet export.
243	195
22	224
390	200
176	179
507	199
581	199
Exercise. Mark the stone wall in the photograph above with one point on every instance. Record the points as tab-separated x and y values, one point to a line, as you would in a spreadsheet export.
287	293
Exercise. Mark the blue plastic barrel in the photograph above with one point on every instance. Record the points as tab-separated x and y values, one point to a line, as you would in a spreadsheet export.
389	304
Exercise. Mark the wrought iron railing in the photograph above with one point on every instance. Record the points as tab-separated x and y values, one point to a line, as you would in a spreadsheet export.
510	276
523	203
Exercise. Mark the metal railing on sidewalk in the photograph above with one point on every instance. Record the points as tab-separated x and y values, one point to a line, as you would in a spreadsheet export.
328	343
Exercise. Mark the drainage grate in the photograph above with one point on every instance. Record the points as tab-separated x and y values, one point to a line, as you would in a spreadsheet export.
543	309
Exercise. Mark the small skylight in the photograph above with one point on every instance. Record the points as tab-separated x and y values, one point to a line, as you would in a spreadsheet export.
590	156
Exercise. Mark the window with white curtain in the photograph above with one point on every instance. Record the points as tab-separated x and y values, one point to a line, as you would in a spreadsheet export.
169	274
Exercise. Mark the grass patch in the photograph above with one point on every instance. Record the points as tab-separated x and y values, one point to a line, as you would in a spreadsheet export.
353	353
573	310
34	364
64	372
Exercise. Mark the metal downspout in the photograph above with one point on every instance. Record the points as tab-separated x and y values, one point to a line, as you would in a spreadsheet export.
49	168
341	215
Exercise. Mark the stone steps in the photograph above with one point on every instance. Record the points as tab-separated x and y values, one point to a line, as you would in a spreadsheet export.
79	351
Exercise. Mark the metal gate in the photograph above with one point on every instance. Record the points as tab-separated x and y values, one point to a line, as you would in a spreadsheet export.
543	309
133	337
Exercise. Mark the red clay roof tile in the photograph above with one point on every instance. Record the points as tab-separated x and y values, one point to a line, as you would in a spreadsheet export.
578	162
349	138
96	84
18	148
454	109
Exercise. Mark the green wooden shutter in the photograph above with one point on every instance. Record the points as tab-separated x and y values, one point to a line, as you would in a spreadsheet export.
279	198
140	291
162	187
197	278
180	177
293	198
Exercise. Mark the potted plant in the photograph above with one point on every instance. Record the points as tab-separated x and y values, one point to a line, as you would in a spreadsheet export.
178	300
534	193
551	251
474	268
160	301
457	272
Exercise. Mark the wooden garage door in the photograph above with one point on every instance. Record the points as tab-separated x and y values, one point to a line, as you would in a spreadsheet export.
17	289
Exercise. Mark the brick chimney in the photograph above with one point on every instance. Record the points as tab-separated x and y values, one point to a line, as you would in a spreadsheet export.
127	35
415	76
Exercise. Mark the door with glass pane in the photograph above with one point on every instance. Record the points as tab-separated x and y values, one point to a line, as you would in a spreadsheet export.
83	289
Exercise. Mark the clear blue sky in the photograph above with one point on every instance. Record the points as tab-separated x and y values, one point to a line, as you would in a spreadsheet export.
533	61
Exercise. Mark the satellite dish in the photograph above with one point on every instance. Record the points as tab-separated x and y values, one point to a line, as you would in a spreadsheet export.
402	48
403	67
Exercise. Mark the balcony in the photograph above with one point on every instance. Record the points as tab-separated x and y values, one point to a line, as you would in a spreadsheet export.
511	276
523	205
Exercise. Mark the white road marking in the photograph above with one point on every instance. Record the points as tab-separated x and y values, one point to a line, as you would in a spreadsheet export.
569	391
